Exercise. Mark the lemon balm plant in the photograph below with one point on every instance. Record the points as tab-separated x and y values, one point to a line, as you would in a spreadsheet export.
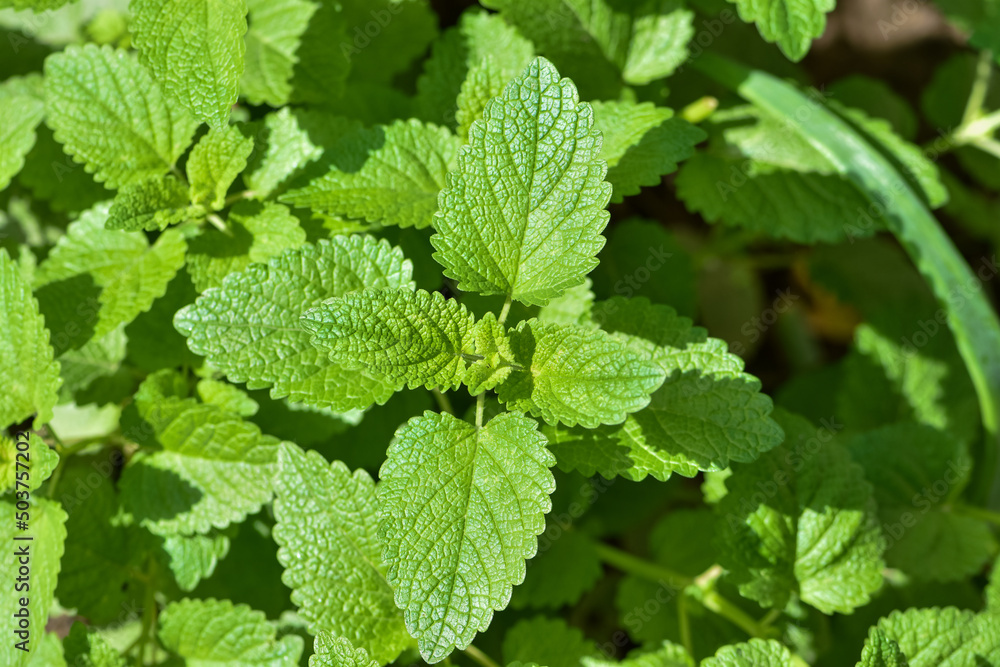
332	337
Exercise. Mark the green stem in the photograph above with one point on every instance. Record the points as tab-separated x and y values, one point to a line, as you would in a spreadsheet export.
980	86
480	405
978	513
987	145
626	562
479	656
685	624
769	618
442	400
148	623
981	127
232	199
506	309
218	223
723	607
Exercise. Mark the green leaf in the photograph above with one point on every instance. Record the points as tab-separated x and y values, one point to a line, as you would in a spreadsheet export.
47	532
601	44
254	234
880	651
28	370
802	519
289	140
459	53
973	321
758	175
389	175
102	551
129	273
192	558
210	633
414	337
944	637
195	49
384	40
982	19
20	114
213	469
49	652
293	52
32	458
707	413
72	189
249	328
34	5
642	143
572	308
111	116
99	358
523	212
574	375
215	162
925	537
331	651
484	82
86	648
546	641
459	511
227	397
327	528
153	204
755	653
792	24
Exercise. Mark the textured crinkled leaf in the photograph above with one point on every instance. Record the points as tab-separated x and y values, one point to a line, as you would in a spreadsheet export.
792	24
130	273
110	115
546	641
47	530
460	51
192	558
524	209
576	375
72	189
212	633
20	114
333	651
327	528
563	570
49	652
249	328
293	52
85	648
195	50
573	307
288	140
944	637
460	509
802	519
492	344
31	456
215	162
28	372
641	144
152	204
925	537
707	414
485	81
414	337
759	175
227	397
600	44
880	651
389	175
755	653
255	233
213	469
